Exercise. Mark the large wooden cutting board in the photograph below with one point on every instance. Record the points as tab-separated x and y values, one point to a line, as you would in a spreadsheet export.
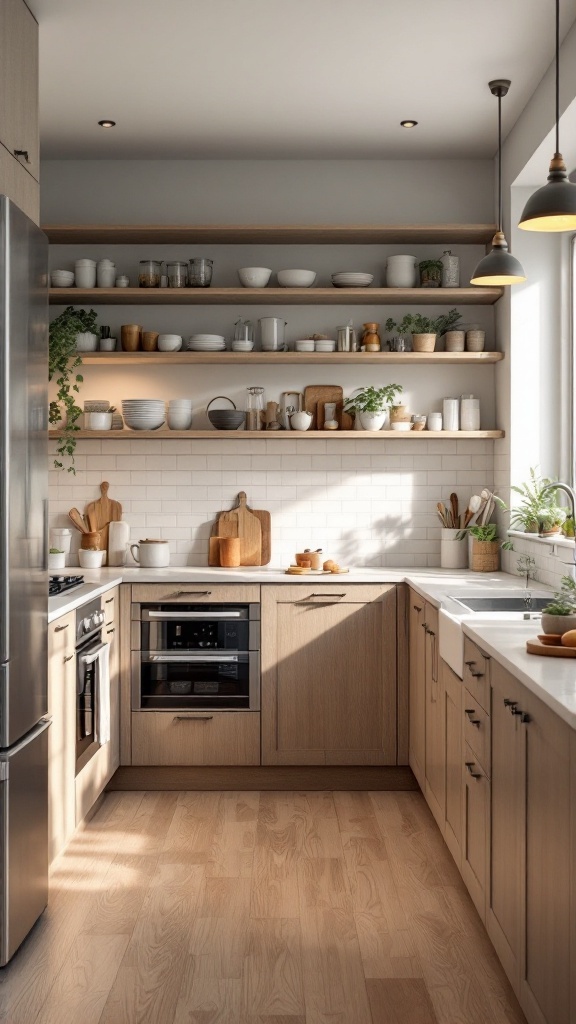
266	527
241	522
316	395
102	512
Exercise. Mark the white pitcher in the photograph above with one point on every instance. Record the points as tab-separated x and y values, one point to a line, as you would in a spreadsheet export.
272	334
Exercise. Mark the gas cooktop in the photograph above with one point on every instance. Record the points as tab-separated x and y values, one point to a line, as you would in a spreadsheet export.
58	584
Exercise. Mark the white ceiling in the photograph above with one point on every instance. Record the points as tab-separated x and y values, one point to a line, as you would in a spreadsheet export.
286	78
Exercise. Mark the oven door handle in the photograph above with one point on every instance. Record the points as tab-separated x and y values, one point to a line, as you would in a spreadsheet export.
184	658
92	654
187	616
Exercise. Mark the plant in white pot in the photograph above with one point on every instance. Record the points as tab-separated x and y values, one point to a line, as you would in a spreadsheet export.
560	615
424	330
372	404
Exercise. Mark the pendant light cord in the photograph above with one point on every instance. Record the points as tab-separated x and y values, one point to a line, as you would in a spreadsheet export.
499	161
557	76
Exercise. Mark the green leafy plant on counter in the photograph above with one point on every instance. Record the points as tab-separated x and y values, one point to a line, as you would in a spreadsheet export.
55	551
564	600
373	399
487	533
63	363
415	323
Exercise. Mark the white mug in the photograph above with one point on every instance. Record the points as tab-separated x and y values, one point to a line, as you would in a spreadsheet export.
151	554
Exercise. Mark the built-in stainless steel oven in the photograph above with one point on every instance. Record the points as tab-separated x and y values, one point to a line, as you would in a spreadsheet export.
196	656
89	643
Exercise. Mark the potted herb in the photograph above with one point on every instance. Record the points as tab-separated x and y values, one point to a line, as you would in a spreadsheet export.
424	329
63	363
536	504
430	273
371	404
560	615
550	521
485	548
56	558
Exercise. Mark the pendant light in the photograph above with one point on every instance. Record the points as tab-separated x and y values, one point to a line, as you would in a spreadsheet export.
553	207
499	267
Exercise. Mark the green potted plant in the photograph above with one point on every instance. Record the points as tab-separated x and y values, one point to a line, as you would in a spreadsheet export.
371	404
424	329
63	364
430	273
536	503
56	558
560	615
485	548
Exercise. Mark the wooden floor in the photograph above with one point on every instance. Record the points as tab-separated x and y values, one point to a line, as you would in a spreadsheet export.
257	908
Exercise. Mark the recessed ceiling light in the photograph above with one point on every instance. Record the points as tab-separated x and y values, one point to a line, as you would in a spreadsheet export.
408	124
107	124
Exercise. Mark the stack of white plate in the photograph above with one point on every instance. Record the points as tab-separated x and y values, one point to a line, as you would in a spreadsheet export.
144	413
206	343
352	279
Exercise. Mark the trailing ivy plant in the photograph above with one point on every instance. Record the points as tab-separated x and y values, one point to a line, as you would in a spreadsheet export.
63	363
415	323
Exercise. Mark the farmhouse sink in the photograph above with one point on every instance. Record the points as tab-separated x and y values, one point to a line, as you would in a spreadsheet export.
503	604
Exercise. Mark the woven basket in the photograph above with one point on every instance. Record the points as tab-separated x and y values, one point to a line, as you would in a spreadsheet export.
485	555
423	342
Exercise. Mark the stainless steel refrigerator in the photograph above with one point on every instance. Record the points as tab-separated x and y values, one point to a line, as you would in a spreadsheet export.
23	576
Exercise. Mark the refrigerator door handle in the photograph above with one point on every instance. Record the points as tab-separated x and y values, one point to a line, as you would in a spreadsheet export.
45	537
7	755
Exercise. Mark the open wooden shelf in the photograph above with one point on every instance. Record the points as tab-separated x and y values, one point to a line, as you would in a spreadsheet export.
287	358
270	234
295	435
474	296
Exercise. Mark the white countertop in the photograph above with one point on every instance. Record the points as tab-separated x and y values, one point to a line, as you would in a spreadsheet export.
500	635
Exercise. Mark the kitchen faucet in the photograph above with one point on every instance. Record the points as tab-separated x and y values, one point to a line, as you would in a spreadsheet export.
570	492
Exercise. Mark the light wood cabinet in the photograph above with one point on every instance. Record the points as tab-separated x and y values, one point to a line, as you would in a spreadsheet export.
19	186
19	84
62	732
93	778
435	720
475	825
452	693
417	687
196	738
329	674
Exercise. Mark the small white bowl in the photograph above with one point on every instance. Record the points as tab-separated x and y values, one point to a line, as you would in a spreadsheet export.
296	278
242	346
401	425
169	342
107	344
90	559
98	421
304	345
184	403
325	346
254	277
179	419
62	278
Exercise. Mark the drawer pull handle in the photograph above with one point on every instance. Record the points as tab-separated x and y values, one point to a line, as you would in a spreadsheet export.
469	663
475	775
473	721
60	628
69	658
425	626
477	675
516	711
525	718
112	630
109	601
193	718
22	152
192	593
416	608
508	702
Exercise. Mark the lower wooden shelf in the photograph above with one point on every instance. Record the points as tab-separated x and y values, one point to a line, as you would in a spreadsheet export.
279	435
287	358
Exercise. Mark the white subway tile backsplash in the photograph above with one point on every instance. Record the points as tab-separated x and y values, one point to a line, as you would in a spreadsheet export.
363	500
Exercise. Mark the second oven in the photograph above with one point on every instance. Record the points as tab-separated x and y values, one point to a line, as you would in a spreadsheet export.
190	656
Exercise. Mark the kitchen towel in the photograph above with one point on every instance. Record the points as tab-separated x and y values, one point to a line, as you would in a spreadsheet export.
102	694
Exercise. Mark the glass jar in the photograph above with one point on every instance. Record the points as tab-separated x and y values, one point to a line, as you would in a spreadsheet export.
243	330
254	408
450	270
149	273
200	273
177	273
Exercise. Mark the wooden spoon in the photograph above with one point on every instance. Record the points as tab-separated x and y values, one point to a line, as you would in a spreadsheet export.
442	512
77	518
454	506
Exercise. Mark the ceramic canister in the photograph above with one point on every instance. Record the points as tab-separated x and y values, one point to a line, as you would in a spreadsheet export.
469	413
451	414
118	540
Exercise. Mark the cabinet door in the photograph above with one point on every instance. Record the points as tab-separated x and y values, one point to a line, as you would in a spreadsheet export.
329	674
452	691
549	959
62	732
417	743
19	186
19	82
504	899
196	738
475	803
435	723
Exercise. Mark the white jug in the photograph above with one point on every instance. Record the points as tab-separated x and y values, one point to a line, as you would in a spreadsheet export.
301	420
272	334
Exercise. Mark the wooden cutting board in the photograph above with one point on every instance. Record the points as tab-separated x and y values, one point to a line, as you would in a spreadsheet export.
266	527
241	522
102	512
316	395
550	650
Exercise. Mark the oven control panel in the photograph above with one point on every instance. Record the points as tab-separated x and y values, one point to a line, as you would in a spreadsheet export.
89	618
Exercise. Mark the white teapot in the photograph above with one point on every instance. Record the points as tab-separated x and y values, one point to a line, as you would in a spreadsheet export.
301	420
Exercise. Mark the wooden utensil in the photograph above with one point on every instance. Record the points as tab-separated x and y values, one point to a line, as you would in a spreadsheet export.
454	507
316	396
104	511
442	512
241	522
266	527
77	518
214	547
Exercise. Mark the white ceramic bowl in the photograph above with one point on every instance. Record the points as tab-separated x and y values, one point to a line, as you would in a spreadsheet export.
296	278
62	278
402	425
91	559
98	421
150	424
86	342
179	419
242	346
169	342
254	277
304	346
184	403
107	344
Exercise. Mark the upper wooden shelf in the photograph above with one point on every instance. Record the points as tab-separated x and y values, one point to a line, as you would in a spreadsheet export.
287	358
270	234
474	296
278	435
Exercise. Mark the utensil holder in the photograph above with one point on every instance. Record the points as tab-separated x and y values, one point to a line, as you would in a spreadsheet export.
485	555
453	549
229	552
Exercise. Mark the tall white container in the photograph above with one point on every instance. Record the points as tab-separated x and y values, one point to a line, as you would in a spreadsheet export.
469	413
453	551
451	414
118	540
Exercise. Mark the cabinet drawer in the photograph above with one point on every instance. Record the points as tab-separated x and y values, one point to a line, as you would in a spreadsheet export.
198	593
477	673
477	731
315	591
189	738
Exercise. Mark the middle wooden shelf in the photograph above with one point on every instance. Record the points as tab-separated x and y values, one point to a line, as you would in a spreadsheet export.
475	296
288	358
